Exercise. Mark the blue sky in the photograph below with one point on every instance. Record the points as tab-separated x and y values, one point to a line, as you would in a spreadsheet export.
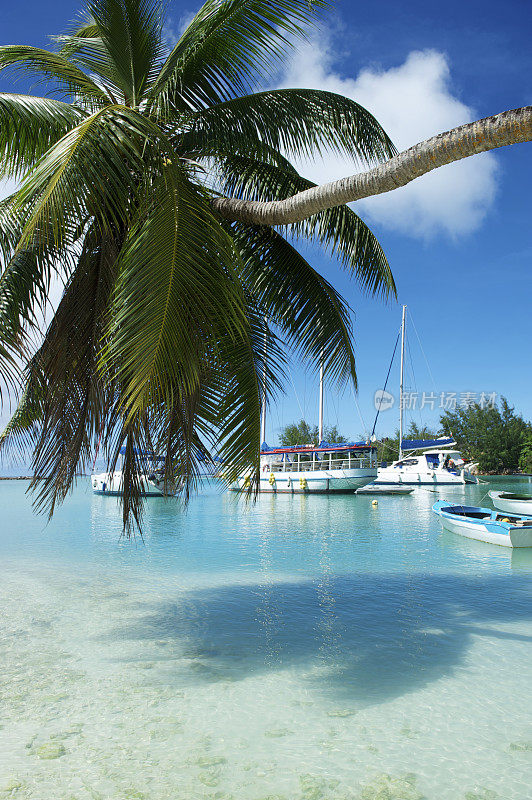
460	243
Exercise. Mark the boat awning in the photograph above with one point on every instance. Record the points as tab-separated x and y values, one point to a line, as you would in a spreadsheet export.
143	454
423	444
321	448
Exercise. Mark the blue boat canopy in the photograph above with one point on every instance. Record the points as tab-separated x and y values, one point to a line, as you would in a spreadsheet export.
143	454
423	444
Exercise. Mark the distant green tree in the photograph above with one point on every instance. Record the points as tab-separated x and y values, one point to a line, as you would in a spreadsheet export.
525	457
492	435
299	433
333	436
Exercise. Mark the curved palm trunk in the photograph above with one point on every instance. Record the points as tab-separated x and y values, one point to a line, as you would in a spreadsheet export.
510	127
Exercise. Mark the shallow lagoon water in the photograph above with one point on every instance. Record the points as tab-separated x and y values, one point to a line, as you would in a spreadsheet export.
298	648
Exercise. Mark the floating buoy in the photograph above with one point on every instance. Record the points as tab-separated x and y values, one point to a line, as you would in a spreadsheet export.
374	502
271	479
303	483
247	482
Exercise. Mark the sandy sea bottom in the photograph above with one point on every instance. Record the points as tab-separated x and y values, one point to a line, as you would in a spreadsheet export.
304	648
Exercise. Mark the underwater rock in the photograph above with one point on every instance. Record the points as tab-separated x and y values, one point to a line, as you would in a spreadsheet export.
521	746
11	788
209	778
210	761
407	731
50	750
392	787
341	712
277	733
315	788
372	749
482	794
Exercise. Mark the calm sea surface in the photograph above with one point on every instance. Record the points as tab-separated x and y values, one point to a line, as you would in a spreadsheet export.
302	648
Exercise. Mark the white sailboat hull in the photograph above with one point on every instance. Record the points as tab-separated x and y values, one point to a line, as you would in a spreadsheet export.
390	476
343	481
110	483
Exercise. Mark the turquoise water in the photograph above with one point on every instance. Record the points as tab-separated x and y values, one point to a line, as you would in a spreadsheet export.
302	648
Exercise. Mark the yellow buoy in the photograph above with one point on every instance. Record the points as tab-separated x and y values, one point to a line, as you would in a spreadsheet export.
374	502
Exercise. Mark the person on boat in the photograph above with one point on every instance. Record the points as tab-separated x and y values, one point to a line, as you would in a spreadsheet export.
447	461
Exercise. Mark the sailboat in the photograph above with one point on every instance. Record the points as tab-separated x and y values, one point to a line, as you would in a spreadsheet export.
151	478
424	462
309	469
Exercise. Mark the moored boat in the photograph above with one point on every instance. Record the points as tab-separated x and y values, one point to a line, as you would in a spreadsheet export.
485	525
423	462
375	488
512	502
324	469
431	466
151	478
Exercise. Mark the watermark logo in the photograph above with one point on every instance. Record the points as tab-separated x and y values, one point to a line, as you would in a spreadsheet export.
383	400
446	401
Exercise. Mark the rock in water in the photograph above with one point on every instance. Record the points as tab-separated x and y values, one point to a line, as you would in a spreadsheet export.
392	787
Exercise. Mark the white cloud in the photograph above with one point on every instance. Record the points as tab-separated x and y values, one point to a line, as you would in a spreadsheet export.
413	102
173	31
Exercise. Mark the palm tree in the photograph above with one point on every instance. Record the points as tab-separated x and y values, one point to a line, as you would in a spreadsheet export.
159	340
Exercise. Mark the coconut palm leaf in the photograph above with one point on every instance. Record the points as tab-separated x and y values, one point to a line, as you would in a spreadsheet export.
311	315
339	230
46	66
29	126
228	47
296	122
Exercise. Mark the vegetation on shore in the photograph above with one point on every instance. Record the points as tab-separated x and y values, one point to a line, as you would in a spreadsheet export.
494	436
301	433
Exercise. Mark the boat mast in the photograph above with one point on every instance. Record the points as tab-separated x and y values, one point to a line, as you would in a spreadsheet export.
320	420
403	325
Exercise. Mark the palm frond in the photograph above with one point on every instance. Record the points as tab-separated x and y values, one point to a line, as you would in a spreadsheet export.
296	122
130	30
311	315
29	126
228	47
178	246
339	230
46	66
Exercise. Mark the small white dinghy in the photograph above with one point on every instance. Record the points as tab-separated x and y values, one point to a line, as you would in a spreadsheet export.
485	525
374	488
511	501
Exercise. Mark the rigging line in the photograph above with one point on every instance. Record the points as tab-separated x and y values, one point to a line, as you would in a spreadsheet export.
423	352
363	421
296	394
386	382
414	384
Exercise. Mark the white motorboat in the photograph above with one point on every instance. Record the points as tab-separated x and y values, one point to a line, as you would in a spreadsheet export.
431	462
325	469
441	466
485	525
512	502
374	488
151	478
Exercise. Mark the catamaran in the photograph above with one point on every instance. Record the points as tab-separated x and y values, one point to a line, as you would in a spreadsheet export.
151	478
325	468
424	462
